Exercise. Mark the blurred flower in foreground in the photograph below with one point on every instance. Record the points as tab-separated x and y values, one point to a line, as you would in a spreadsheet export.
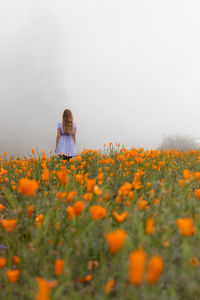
9	225
2	262
185	226
97	212
13	275
59	266
155	269
116	240
137	261
27	187
85	279
109	286
44	287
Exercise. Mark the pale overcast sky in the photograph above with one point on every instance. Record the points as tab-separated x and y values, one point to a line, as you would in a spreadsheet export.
129	70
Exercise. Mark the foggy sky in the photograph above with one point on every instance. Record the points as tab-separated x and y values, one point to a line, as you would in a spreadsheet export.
129	71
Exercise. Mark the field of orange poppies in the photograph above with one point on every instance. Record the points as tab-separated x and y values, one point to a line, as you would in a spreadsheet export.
110	224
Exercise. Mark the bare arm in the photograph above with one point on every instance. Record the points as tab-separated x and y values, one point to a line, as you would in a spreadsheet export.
74	137
57	137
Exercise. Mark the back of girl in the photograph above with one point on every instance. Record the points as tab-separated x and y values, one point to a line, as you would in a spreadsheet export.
66	136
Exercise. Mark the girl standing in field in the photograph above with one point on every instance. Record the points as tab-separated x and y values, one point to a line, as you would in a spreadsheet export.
66	136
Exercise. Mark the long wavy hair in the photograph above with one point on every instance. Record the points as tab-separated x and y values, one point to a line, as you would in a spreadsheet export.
67	122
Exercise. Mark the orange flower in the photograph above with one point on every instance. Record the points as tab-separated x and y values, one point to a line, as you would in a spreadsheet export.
78	178
137	261
90	185
97	190
87	197
27	187
13	275
44	287
194	262
120	218
45	174
71	196
16	259
109	285
141	204
197	176
60	195
30	211
131	195
85	279
39	220
150	225
78	207
9	225
63	177
70	212
59	266
155	268
97	212
2	207
2	262
197	193
187	175
116	240
181	182
156	202
185	226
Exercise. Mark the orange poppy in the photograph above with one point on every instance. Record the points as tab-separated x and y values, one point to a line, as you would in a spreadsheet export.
16	259
45	174
30	211
116	240
2	262
185	226
59	266
155	268
71	196
60	195
44	288
86	278
137	261
197	193
13	275
109	285
63	177
9	225
2	207
70	212
150	225
78	207
39	220
90	185
120	218
194	262
97	212
27	187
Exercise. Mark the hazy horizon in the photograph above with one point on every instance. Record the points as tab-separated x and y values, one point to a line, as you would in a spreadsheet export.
128	70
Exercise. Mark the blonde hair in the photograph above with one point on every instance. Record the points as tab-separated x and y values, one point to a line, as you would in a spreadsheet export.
67	122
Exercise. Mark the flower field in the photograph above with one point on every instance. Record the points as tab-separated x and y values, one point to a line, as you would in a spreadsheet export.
110	224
